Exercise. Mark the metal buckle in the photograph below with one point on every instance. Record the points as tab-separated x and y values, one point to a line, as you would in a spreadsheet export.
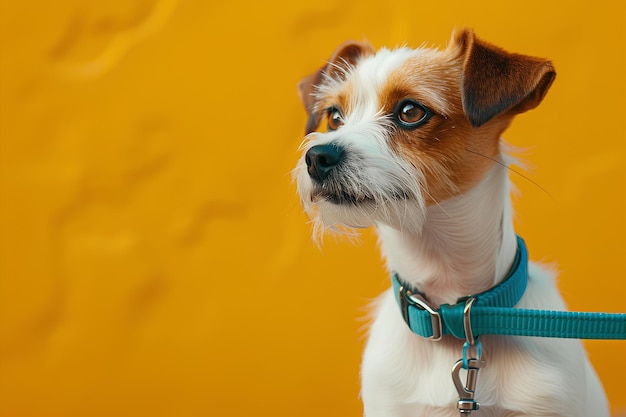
407	298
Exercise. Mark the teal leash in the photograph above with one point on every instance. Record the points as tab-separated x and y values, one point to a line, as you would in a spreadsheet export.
494	312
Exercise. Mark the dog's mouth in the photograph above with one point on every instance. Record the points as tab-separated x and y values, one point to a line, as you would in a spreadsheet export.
345	198
363	198
340	198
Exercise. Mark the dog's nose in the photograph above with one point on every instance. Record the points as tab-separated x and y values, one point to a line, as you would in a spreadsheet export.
322	159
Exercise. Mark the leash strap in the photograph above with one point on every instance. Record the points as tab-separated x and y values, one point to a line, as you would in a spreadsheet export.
545	323
492	312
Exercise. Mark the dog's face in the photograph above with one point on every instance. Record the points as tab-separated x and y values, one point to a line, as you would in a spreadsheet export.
392	132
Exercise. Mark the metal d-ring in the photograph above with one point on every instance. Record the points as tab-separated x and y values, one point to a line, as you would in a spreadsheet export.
467	321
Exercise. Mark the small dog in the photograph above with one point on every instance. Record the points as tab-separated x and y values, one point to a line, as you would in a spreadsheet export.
409	141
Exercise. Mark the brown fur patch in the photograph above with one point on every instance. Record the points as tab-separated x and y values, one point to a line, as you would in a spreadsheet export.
346	55
474	90
452	155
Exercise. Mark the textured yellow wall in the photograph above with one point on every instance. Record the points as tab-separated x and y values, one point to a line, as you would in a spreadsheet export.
154	259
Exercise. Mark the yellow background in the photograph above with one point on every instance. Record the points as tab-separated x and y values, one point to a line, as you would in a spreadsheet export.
154	257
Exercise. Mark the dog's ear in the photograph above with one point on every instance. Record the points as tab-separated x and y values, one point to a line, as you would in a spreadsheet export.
345	56
495	82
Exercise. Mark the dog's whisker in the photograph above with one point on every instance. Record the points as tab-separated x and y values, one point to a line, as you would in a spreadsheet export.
440	206
513	170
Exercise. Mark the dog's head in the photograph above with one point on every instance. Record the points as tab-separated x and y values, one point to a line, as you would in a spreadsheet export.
391	132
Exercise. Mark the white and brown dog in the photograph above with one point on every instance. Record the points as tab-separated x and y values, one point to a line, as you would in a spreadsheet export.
410	143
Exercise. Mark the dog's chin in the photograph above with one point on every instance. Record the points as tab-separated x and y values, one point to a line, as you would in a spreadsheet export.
340	211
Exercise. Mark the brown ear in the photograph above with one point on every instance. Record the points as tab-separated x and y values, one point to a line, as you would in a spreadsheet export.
495	81
345	56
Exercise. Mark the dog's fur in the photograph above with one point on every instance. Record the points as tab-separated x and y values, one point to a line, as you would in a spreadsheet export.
437	192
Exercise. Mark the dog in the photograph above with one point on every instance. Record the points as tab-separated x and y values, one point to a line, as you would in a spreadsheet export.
409	141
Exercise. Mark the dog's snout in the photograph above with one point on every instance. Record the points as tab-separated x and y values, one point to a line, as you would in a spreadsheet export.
322	159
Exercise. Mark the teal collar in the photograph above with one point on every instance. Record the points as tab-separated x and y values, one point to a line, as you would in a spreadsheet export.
493	312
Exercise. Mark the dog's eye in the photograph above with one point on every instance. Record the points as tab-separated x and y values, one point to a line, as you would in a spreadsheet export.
411	114
335	119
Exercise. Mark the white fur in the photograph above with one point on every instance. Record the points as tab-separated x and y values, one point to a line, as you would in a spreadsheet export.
376	171
405	375
460	246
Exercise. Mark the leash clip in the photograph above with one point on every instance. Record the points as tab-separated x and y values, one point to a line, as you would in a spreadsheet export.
466	403
407	298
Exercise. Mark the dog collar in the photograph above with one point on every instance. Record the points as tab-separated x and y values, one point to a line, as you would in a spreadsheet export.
493	312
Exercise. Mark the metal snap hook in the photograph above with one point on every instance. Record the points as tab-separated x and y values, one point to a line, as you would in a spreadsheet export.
466	403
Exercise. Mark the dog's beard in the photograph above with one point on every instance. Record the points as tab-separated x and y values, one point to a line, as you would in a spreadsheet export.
367	189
